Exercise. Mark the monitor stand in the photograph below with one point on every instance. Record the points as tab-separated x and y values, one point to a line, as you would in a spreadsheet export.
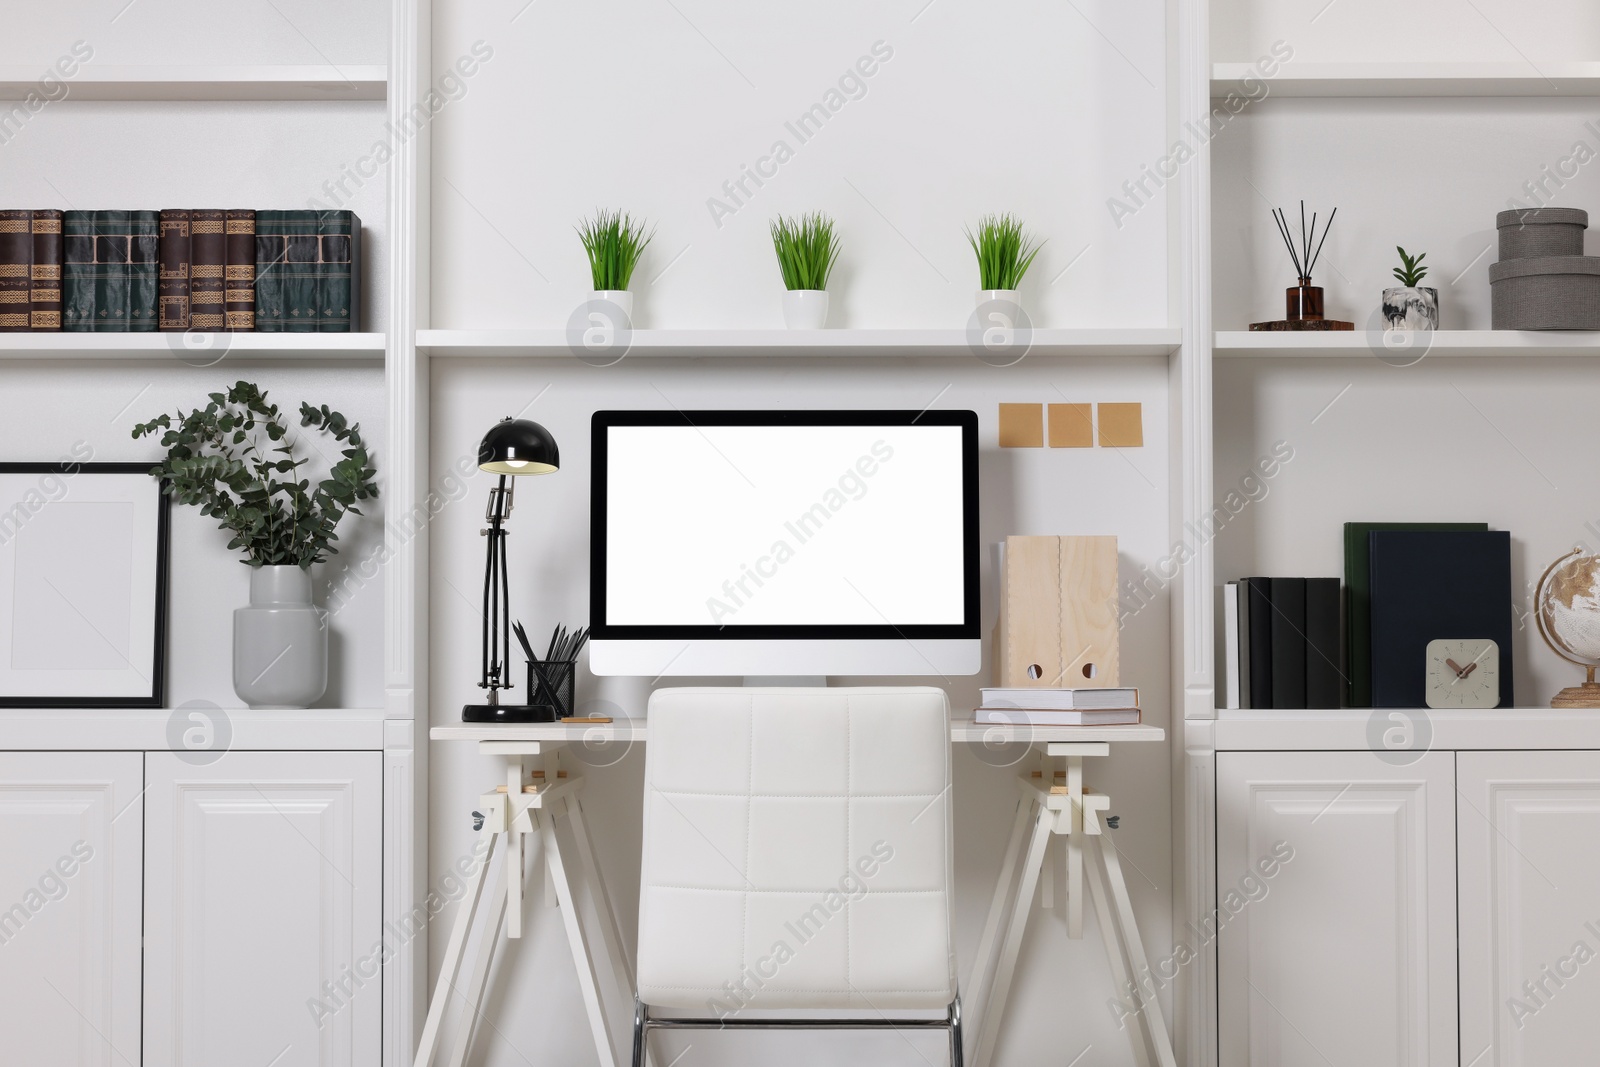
785	681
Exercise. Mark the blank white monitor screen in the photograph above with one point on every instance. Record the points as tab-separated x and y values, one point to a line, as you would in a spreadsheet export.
785	525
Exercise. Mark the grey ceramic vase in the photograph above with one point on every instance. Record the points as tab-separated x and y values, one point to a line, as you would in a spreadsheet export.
280	642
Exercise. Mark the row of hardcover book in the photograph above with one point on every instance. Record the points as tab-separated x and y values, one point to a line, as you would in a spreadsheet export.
275	271
1405	585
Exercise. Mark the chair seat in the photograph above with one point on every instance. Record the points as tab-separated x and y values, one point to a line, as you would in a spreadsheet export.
797	851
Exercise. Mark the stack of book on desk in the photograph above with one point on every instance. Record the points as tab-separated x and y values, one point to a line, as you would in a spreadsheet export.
1060	707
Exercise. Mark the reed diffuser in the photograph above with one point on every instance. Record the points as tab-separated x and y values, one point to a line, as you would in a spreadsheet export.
1304	301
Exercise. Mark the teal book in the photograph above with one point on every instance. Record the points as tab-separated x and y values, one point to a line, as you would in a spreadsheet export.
287	253
1358	600
110	271
307	277
338	281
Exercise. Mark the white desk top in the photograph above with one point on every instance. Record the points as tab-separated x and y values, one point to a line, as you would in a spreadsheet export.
962	731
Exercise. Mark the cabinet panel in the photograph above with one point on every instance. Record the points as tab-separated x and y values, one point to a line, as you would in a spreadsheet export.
1343	950
70	828
1530	906
263	909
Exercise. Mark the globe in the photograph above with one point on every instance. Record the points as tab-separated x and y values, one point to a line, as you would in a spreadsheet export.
1567	610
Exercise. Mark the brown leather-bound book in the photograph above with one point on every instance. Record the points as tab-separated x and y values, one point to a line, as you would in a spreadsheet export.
208	259
16	261
172	313
44	298
240	276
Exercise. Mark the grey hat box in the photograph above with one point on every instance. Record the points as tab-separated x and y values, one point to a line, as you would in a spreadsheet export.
1546	293
1529	233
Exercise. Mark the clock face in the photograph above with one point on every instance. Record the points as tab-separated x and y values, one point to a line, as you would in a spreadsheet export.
1463	672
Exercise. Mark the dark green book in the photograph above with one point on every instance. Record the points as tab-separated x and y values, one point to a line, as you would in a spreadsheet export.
110	271
286	271
1358	602
306	272
338	281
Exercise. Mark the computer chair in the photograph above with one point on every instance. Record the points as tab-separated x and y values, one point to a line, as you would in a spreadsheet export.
797	859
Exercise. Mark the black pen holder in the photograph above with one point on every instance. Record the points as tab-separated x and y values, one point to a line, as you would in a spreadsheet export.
552	682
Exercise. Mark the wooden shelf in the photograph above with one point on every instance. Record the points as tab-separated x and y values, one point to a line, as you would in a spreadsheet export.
1410	79
164	347
1445	344
550	344
166	82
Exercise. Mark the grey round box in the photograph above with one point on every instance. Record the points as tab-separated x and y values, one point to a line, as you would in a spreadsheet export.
1549	293
1530	233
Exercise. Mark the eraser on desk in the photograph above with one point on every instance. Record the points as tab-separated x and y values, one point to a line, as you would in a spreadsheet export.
1021	425
1071	426
1121	426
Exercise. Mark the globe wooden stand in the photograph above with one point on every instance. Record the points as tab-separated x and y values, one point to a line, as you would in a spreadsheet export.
1586	695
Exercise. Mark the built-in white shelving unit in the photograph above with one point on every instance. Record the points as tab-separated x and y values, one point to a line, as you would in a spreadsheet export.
175	82
1508	344
1411	79
956	344
192	349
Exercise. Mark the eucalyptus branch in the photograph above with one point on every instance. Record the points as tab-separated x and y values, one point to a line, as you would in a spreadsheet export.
218	461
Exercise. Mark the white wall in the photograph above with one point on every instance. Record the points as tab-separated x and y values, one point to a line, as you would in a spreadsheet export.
1038	108
199	33
97	154
1411	172
1063	985
51	407
1442	441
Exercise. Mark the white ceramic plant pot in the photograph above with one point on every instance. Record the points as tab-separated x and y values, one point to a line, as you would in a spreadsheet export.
1009	296
622	298
280	642
1411	308
805	309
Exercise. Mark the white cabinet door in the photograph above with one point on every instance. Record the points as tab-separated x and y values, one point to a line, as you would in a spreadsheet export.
1336	901
263	910
1529	830
70	827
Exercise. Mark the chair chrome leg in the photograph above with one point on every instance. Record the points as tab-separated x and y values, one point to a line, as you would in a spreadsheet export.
957	1055
640	1017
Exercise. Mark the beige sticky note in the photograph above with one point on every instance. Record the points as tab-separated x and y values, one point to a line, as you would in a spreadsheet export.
1021	425
1121	425
1071	426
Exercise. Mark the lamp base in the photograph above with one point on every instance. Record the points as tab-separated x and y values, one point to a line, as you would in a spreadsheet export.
522	713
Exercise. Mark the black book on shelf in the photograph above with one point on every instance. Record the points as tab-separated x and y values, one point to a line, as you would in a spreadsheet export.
1325	681
1288	600
1260	638
1435	584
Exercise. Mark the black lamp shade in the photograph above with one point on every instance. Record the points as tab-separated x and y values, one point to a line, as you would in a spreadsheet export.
518	446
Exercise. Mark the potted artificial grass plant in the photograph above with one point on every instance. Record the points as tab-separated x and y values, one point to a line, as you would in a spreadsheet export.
1409	306
1005	252
614	242
807	250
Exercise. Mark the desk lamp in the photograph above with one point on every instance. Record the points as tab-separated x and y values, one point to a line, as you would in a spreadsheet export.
512	448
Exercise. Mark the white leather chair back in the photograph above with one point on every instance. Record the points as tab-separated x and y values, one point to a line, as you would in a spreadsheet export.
797	850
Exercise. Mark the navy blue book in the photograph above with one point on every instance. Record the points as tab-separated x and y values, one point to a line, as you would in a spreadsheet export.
1429	584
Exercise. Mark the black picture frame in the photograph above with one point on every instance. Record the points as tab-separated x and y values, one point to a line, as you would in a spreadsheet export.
602	421
156	698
